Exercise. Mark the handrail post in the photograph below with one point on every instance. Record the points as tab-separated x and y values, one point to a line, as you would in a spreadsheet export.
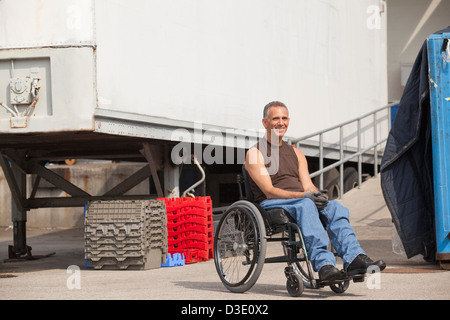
375	154
321	160
341	167
389	119
359	156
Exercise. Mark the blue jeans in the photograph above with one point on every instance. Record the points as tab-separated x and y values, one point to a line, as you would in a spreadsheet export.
340	233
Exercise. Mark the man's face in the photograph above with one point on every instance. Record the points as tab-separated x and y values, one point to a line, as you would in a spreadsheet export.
277	121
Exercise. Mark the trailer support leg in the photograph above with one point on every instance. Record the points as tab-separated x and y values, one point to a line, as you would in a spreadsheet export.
18	216
16	179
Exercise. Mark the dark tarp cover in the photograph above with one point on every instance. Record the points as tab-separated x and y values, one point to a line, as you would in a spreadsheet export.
406	167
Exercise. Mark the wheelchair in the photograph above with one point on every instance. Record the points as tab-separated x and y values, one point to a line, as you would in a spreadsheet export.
240	243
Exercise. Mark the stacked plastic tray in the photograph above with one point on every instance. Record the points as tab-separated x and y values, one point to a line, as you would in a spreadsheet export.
190	228
123	234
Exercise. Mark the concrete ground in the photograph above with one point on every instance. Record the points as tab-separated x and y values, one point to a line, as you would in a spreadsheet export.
55	277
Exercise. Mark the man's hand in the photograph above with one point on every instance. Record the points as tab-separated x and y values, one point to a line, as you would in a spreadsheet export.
319	198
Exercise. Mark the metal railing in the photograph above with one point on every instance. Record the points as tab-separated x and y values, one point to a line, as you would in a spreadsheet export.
359	153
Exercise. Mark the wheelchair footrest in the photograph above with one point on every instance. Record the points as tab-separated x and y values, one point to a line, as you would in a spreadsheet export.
355	278
359	278
276	259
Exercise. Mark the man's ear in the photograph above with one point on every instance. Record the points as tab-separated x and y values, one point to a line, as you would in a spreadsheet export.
264	122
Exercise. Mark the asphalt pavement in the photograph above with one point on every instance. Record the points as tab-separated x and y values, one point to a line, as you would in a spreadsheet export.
63	276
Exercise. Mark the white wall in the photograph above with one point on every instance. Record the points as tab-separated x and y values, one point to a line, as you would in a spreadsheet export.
409	23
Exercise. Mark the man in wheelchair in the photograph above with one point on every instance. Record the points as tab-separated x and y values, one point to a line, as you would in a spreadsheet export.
279	178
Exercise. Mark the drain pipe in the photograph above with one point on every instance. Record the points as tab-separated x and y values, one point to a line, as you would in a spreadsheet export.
198	182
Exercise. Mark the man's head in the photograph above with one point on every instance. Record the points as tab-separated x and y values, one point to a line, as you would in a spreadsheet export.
275	120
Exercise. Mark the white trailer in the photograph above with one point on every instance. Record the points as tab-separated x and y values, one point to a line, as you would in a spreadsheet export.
129	80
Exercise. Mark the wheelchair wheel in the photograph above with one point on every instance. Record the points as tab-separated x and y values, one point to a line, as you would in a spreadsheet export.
305	272
240	246
340	287
294	285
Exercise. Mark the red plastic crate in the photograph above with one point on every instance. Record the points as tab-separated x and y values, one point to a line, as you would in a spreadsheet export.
190	227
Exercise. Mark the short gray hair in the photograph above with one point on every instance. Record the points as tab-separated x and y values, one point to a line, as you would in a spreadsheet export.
273	104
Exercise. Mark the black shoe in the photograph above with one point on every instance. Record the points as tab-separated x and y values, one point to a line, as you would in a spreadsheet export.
329	273
362	262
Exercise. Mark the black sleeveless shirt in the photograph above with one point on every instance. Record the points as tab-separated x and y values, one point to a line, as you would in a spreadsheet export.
282	164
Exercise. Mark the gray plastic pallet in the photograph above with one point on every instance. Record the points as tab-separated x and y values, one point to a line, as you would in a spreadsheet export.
126	234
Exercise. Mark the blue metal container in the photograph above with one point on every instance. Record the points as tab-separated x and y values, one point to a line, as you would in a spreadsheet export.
439	64
394	110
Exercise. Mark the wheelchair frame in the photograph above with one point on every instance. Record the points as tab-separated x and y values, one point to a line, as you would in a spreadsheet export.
240	244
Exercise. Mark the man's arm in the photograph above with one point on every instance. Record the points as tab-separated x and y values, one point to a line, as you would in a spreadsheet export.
254	164
305	179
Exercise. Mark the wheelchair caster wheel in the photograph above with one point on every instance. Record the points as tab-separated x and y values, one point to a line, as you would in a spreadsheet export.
340	287
294	285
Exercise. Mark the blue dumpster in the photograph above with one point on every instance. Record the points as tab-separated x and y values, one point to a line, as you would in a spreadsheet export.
394	110
439	72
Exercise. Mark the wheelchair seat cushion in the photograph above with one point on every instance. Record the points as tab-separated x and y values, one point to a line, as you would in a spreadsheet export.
275	219
278	216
